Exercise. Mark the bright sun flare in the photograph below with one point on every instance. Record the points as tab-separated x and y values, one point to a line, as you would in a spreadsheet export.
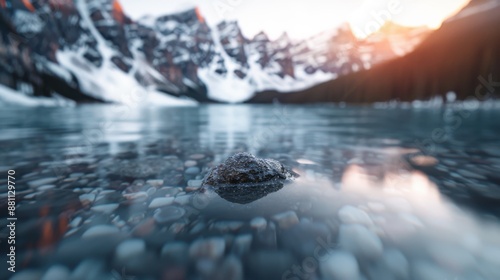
372	15
305	18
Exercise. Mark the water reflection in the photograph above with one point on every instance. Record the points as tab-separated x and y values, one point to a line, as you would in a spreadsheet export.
402	208
121	178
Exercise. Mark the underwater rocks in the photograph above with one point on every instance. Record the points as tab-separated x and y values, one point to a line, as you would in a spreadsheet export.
243	178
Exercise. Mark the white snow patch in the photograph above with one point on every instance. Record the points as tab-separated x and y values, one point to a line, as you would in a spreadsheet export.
230	89
9	96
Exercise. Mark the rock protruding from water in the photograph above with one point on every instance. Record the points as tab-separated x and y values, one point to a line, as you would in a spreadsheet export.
243	178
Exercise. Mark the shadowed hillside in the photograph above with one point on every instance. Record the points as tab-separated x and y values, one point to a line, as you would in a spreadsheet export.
451	59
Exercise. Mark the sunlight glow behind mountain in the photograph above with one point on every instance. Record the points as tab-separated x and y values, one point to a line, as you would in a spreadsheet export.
304	18
371	15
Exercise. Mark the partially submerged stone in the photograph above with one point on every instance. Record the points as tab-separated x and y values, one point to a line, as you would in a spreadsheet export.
243	178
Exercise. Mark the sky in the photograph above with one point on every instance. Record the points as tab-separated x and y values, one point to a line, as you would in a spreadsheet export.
305	18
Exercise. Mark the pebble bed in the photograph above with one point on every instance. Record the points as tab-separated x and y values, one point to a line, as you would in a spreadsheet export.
118	219
136	210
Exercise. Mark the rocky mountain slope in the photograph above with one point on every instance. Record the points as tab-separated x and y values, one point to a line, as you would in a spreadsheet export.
65	51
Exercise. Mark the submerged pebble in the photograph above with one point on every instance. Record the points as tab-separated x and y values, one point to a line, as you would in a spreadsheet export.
242	244
176	252
28	274
41	182
286	220
352	215
423	270
210	248
100	230
106	208
340	265
360	241
270	264
230	269
57	272
169	214
227	226
129	248
258	223
161	202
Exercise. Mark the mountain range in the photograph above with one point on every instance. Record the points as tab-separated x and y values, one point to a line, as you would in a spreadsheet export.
67	51
459	61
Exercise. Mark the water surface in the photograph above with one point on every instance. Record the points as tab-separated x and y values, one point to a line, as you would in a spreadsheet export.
106	192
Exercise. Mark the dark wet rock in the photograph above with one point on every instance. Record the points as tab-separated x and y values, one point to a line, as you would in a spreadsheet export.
244	168
243	178
169	214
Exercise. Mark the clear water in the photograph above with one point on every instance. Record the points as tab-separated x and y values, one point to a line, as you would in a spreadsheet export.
106	192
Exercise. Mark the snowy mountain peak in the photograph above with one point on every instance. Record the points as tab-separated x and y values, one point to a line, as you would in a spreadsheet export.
101	53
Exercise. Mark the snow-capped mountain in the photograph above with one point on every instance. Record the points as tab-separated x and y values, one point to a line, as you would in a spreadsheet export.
64	51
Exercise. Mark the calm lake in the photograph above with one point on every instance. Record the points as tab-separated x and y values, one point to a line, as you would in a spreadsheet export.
108	192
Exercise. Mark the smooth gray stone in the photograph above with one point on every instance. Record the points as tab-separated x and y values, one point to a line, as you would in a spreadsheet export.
57	272
358	240
340	265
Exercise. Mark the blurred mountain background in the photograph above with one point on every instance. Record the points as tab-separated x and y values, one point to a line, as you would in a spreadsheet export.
69	51
461	60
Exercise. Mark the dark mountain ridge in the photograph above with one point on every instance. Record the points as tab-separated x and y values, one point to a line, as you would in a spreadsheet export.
461	57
